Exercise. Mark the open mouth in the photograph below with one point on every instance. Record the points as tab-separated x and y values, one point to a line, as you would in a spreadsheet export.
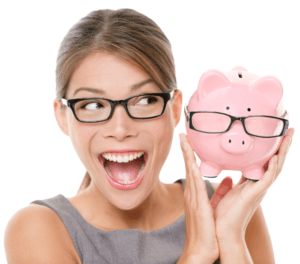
124	167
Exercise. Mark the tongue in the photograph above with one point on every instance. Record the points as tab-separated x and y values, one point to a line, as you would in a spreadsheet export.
125	171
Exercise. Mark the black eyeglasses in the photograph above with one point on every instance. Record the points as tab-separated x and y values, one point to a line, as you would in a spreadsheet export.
257	125
96	109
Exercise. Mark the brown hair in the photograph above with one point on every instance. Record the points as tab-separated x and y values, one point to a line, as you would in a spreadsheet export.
124	32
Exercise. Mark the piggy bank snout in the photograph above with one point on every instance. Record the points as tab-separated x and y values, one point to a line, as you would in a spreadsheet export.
236	142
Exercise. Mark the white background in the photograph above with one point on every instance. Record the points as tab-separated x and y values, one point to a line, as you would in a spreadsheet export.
38	161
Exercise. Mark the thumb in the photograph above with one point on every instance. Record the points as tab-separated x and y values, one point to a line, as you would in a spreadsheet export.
223	188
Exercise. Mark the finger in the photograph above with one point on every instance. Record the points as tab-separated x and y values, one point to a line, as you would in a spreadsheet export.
187	190
189	158
241	181
187	151
283	150
268	178
224	187
200	188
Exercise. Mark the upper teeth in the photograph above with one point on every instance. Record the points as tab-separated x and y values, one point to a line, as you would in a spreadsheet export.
121	159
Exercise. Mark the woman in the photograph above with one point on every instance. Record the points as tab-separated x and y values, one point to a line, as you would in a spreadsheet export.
119	55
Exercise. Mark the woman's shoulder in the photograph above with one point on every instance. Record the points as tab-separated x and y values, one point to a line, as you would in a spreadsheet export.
35	233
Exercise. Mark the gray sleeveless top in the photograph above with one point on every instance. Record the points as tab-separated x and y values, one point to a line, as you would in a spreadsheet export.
124	246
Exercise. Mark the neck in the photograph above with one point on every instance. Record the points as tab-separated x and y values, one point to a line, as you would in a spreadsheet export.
144	215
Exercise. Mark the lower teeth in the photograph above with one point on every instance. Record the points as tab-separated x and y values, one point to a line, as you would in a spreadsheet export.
127	182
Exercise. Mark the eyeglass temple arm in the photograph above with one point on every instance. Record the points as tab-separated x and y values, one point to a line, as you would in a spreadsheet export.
64	101
186	113
285	115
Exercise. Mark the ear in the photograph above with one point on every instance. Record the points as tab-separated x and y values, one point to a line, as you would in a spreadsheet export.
60	112
270	87
177	105
210	81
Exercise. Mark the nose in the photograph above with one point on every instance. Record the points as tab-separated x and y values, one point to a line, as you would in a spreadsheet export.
120	125
236	141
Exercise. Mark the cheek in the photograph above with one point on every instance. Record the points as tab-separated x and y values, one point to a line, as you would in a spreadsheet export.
162	131
161	128
81	135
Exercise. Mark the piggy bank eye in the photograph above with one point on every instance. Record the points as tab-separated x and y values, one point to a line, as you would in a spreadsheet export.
249	109
227	108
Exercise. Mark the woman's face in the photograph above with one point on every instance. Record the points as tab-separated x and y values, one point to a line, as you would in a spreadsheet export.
115	77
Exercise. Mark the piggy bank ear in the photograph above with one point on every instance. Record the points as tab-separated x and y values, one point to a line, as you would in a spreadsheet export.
210	81
270	87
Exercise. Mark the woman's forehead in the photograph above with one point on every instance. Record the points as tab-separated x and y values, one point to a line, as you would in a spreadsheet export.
109	74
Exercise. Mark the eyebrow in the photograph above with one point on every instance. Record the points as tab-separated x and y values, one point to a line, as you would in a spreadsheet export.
100	91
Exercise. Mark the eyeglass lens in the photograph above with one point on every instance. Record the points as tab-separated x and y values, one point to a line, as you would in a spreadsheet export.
260	126
143	106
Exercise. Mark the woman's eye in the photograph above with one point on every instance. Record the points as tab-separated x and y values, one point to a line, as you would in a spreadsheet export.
147	100
92	106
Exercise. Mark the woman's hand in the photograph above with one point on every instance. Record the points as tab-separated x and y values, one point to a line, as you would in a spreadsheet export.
234	211
200	240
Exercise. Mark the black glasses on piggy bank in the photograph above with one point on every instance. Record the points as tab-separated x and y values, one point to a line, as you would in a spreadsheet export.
256	125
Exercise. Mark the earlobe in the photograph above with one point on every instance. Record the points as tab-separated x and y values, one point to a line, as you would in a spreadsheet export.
60	115
177	105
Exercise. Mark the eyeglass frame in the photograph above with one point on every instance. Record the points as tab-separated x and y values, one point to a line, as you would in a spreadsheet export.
71	103
189	115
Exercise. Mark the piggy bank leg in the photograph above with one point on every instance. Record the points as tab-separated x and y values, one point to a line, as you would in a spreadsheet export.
209	169
254	174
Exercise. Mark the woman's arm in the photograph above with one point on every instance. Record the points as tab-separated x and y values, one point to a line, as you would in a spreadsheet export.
235	252
258	239
256	246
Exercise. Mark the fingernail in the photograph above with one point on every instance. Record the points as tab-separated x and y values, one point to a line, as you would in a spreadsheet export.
184	146
180	137
193	166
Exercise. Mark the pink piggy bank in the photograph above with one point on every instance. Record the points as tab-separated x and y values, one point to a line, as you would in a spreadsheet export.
236	121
